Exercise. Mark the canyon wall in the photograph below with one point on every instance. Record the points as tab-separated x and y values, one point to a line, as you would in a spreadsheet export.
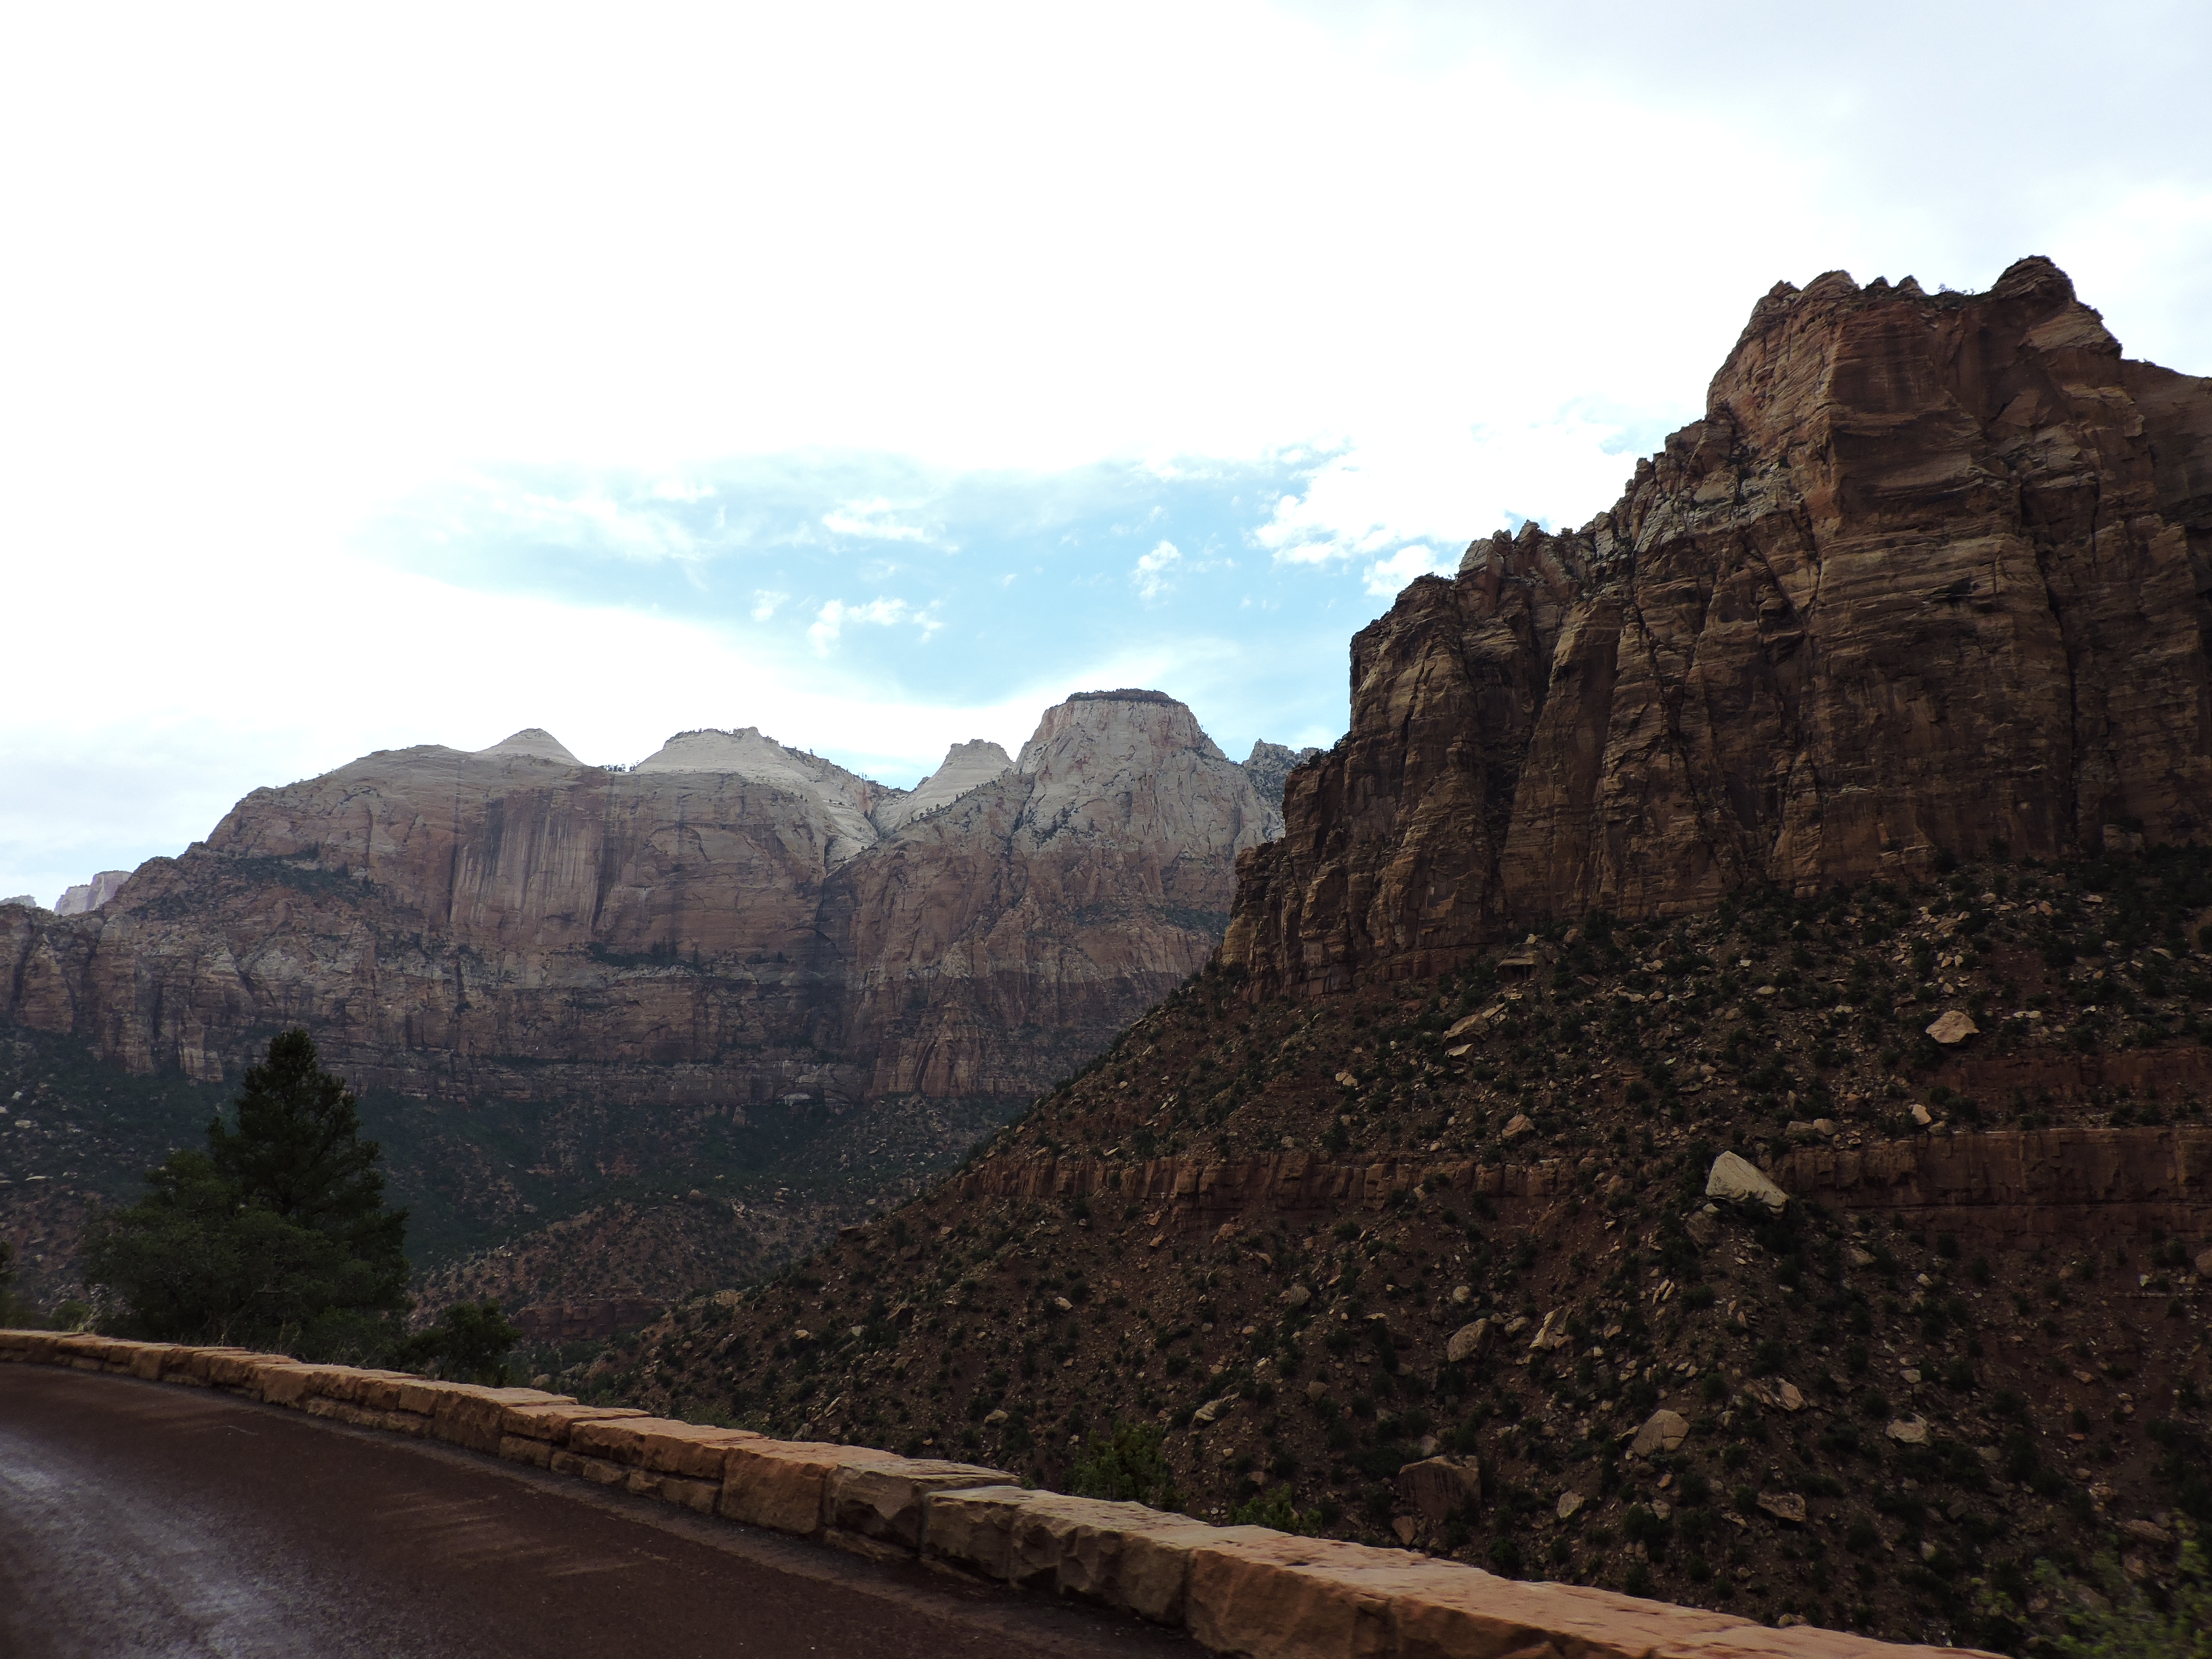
729	923
1931	573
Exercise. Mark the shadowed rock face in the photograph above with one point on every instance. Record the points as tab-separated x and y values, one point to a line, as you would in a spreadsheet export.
1931	573
733	922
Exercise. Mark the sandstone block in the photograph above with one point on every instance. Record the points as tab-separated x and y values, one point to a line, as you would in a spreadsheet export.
1436	1488
1467	1341
1749	1641
1272	1596
469	1415
658	1445
1909	1431
1737	1180
783	1484
597	1470
1952	1027
523	1449
1786	1506
700	1496
1122	1555
1443	1612
551	1420
885	1500
973	1528
1663	1430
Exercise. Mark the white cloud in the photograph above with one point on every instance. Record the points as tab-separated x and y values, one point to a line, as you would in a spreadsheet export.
1387	577
1155	572
765	601
830	622
872	519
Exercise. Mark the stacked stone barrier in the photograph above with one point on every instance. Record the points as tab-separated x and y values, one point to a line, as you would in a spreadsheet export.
1249	1592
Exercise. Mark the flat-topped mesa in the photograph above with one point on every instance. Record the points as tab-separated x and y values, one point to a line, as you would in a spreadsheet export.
1924	578
1115	757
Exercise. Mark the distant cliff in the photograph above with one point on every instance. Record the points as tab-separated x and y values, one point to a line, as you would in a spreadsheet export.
1931	574
729	923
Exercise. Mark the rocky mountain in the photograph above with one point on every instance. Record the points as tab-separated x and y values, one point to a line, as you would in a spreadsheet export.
641	964
1707	1097
1929	575
730	921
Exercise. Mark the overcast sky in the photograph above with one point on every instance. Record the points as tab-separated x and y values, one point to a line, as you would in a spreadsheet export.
877	375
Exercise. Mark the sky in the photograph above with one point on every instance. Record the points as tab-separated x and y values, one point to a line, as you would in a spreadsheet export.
877	375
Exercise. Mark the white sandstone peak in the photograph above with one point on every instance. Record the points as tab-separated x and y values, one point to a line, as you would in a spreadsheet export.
966	766
846	797
537	743
89	896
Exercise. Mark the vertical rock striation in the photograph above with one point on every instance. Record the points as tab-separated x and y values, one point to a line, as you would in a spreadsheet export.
1931	573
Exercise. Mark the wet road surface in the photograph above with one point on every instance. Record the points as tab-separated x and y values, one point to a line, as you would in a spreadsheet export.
141	1518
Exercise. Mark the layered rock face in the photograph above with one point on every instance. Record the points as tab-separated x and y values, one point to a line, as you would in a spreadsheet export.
729	923
1930	574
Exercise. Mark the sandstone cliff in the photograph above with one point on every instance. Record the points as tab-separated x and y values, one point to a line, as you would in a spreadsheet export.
731	923
87	897
1930	574
1271	764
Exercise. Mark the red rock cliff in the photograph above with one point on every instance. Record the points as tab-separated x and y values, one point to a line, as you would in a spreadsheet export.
1930	572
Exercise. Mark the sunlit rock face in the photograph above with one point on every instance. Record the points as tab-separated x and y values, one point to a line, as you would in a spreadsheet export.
1930	574
732	921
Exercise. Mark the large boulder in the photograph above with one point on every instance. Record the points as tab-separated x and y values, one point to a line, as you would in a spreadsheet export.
1734	1180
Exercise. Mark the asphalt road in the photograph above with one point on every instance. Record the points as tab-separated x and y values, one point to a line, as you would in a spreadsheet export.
141	1518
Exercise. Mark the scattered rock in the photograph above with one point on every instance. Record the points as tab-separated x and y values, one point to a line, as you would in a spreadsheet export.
1467	1341
1737	1180
1784	1506
1520	1126
1856	1257
1552	1333
2204	1264
1296	1296
1909	1431
1405	1529
1569	1502
1209	1412
2147	1532
1462	1295
1473	1025
1922	1116
1704	1228
1663	1430
1952	1027
1436	1488
993	1418
1347	1079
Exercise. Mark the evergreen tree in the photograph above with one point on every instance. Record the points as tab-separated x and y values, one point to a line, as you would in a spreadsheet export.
277	1235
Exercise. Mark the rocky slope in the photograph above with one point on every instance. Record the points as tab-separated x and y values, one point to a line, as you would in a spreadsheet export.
1422	1262
1929	575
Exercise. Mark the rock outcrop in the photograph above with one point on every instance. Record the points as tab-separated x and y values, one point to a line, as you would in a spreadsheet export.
88	895
1930	574
1270	765
731	923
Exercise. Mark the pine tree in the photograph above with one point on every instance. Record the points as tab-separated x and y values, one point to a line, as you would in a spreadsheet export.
277	1235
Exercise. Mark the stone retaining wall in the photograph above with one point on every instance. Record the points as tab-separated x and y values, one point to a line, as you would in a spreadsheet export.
1245	1591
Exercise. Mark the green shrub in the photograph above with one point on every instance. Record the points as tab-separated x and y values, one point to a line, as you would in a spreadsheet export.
1128	1465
